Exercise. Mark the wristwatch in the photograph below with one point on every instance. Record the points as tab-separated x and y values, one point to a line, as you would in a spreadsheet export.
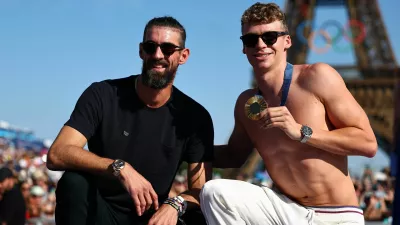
117	166
306	133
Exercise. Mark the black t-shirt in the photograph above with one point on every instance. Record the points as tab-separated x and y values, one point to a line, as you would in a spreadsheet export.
154	141
12	207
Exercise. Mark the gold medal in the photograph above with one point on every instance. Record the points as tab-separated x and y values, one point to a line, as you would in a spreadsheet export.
254	106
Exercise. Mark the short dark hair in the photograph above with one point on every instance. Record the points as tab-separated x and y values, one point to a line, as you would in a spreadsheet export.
5	173
166	21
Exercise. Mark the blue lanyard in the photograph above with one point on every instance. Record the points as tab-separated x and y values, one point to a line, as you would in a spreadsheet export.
286	83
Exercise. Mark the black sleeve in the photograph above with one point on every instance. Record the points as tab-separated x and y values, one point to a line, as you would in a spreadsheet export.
7	210
8	206
200	146
88	111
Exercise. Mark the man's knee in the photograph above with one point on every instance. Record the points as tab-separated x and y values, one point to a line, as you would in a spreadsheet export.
213	188
76	199
73	185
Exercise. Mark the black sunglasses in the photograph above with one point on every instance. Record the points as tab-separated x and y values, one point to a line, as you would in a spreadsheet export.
150	47
269	38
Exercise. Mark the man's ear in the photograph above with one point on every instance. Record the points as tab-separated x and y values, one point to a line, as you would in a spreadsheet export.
141	53
288	42
184	56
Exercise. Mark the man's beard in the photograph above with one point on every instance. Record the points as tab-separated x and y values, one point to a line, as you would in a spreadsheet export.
155	79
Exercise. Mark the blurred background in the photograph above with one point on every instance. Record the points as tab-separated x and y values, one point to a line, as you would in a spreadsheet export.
50	51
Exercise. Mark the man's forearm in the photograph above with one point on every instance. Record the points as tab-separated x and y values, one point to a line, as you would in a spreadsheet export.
346	141
75	158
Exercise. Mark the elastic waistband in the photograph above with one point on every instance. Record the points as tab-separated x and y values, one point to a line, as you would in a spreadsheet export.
337	209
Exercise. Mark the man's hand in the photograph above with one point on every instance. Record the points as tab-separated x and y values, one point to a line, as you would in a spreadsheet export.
166	215
281	118
139	188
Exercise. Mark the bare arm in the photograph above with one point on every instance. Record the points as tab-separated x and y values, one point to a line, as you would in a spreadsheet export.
198	175
239	147
353	134
67	153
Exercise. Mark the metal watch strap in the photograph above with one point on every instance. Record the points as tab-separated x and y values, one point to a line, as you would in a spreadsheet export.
304	139
117	166
306	133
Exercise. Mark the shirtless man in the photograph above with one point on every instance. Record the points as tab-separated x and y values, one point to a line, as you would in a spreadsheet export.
304	136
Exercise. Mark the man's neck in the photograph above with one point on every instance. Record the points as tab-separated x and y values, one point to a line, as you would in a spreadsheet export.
152	98
270	82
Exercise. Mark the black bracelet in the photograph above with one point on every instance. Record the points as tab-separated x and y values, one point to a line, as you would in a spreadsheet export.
173	205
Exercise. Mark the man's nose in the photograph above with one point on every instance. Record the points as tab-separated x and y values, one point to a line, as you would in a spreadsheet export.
158	54
261	43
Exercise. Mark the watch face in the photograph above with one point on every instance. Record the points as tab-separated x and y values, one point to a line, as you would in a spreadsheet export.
306	130
119	164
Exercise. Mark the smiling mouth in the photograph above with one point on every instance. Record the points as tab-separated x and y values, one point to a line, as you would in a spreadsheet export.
262	54
158	67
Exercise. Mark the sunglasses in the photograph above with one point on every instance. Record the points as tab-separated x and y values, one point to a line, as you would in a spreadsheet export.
269	38
150	47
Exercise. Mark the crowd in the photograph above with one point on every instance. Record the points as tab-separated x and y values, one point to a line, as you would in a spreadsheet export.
375	189
35	181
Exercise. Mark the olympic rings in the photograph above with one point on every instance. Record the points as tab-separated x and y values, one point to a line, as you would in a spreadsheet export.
300	30
331	42
342	49
336	24
362	29
327	39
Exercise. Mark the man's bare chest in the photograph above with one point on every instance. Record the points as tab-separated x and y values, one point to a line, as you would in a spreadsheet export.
303	107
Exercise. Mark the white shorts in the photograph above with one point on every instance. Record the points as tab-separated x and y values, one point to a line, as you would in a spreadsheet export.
234	202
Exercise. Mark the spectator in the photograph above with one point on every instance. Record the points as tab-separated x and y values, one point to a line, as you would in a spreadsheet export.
376	194
12	203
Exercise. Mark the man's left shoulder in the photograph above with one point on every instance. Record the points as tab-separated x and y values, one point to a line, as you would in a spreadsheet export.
318	75
187	104
319	70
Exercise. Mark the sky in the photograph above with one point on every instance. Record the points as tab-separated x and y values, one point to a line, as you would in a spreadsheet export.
50	51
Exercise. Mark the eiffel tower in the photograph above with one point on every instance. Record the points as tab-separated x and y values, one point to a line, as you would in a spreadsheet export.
376	68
